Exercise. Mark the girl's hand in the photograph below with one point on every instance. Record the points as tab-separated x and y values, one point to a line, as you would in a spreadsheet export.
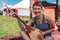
41	36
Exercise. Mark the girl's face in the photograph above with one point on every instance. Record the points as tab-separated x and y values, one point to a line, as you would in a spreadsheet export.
37	11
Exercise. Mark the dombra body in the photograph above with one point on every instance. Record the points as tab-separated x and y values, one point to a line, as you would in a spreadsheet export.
34	34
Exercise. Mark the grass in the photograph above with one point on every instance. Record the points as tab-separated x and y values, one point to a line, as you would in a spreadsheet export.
9	26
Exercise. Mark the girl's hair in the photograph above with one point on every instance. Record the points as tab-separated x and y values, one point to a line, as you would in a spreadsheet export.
38	3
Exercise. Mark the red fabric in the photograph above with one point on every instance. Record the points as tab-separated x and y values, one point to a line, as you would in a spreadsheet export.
35	1
7	12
